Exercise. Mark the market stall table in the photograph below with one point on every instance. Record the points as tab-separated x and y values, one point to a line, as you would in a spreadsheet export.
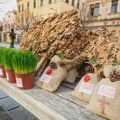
49	106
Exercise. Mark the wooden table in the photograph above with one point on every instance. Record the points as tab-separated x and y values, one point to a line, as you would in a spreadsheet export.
49	106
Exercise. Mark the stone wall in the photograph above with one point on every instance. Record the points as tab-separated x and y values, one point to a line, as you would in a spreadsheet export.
105	16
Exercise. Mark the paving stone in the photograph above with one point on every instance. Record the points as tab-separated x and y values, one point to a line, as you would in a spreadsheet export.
21	113
3	115
2	94
8	45
8	104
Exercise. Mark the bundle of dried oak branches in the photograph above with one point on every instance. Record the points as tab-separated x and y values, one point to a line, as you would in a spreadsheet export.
62	34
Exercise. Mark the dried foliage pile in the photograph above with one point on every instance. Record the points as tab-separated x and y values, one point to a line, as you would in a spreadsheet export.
106	47
62	33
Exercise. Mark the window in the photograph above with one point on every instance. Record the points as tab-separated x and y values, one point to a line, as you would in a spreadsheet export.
22	7
78	4
73	2
19	8
67	1
94	9
28	5
41	2
34	4
50	1
114	6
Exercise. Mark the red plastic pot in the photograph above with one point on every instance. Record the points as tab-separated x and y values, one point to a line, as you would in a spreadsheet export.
10	76
25	81
2	72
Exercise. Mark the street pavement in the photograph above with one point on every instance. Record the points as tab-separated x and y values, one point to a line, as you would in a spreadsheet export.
10	109
4	44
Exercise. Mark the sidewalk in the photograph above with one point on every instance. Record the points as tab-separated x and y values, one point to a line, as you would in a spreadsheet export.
4	44
10	109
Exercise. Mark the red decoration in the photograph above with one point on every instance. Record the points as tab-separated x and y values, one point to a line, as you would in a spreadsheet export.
87	78
49	72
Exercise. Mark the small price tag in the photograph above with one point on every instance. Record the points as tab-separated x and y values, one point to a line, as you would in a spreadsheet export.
87	88
7	76
45	78
1	72
107	91
19	82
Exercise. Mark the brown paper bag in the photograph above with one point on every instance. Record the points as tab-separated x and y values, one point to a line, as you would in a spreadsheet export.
84	89
53	75
57	77
105	100
72	74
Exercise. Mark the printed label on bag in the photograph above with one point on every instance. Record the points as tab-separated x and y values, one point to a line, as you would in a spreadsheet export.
45	78
7	76
87	88
19	82
107	91
1	72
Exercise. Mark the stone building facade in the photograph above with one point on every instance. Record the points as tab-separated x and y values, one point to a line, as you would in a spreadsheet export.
43	8
102	13
93	13
8	24
1	28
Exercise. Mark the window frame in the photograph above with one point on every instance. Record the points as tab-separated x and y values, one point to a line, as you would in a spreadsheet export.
67	1
22	7
50	2
94	7
114	3
73	3
28	5
78	4
19	7
41	3
34	4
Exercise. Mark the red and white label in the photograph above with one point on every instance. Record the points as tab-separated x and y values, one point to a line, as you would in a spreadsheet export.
1	72
7	76
45	78
87	88
19	82
107	91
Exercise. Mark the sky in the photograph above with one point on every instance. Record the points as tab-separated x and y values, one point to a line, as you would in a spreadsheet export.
5	6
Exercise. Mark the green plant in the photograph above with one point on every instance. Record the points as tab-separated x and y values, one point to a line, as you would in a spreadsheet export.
92	61
8	55
60	55
2	50
24	62
114	63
